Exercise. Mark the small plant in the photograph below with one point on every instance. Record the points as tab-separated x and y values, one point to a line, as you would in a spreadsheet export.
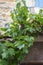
11	53
21	30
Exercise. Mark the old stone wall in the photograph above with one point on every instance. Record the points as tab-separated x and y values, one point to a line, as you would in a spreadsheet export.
5	8
7	0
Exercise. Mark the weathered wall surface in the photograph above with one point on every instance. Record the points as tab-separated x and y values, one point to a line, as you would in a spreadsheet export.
7	0
5	7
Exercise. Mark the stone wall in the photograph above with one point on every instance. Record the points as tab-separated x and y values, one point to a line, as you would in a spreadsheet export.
7	0
5	8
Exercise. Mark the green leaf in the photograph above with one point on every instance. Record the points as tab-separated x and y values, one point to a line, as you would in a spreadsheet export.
25	50
19	44
4	55
11	51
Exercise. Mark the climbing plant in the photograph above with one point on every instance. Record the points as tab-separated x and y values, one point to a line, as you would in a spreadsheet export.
21	31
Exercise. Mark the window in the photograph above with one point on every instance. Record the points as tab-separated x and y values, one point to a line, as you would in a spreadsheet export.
39	3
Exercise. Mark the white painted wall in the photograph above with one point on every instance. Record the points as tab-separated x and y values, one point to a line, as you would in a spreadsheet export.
30	3
33	8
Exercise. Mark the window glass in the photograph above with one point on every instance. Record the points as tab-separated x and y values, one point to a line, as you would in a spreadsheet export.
39	3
